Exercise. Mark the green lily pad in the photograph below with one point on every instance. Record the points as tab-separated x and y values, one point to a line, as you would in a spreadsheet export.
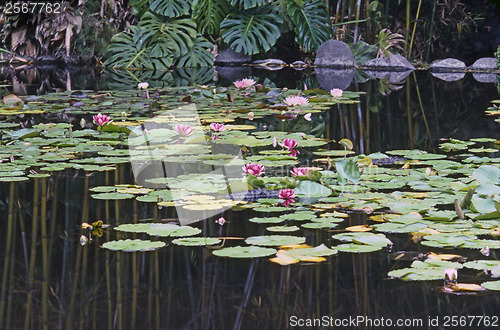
418	274
312	189
244	252
133	245
166	229
274	240
358	248
266	220
283	229
134	228
112	196
196	241
491	285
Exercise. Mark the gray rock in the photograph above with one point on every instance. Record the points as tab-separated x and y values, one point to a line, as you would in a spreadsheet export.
394	62
447	65
270	64
485	77
394	77
329	78
299	65
229	56
485	63
334	53
448	76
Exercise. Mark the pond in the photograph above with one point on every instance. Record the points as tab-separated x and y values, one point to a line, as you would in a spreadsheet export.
402	184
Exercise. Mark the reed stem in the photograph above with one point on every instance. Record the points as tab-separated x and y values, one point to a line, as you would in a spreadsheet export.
8	249
45	257
28	322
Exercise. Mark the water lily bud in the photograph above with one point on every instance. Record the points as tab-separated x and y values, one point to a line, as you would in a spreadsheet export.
83	122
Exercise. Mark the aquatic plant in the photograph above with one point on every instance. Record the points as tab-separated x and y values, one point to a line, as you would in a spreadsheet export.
183	130
253	169
287	195
450	275
216	127
221	221
101	120
299	171
296	100
336	92
244	83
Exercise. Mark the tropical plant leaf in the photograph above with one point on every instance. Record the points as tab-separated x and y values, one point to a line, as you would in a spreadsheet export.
198	55
167	35
170	8
139	7
363	52
246	4
312	23
130	50
252	30
208	14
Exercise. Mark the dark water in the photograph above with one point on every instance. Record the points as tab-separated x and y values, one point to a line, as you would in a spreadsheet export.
188	288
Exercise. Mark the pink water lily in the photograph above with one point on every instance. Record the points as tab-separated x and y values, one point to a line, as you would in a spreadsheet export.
299	171
296	100
289	143
216	127
220	221
336	92
183	130
254	169
251	115
450	275
287	195
101	120
244	83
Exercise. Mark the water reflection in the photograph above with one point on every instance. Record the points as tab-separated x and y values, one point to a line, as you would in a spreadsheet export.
57	283
51	281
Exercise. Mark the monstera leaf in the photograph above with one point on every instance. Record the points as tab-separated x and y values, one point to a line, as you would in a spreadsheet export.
208	14
167	35
198	55
139	7
193	76
131	50
312	23
252	30
246	4
170	8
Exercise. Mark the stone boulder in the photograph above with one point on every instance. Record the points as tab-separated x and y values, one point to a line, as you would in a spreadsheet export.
487	78
329	78
229	56
395	62
394	77
448	76
447	65
484	64
334	53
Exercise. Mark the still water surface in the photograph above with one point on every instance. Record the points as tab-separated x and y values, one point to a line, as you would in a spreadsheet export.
188	288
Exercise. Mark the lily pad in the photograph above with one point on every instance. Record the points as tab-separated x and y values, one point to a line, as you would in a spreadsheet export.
491	285
244	252
133	245
274	240
196	241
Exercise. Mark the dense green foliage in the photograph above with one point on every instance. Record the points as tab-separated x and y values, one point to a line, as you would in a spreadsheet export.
167	30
